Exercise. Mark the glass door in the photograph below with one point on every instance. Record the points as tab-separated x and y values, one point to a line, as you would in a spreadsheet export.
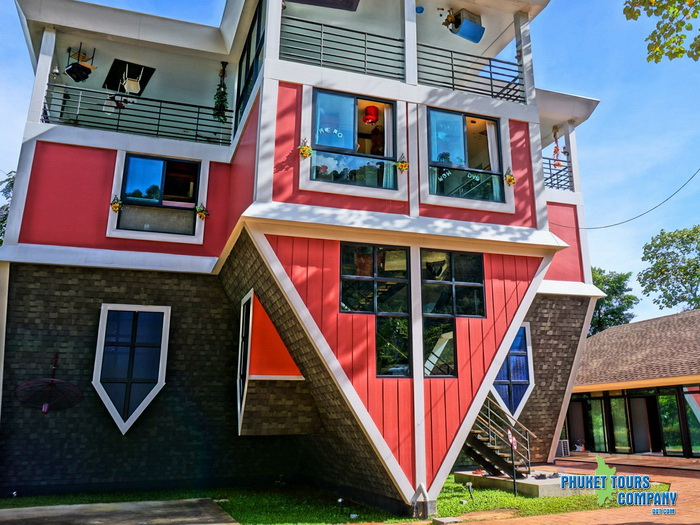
692	414
596	424
621	434
670	425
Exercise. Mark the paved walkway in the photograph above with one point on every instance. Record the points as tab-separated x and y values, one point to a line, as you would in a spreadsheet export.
685	481
184	512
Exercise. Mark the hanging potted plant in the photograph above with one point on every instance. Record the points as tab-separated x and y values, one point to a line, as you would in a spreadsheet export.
221	97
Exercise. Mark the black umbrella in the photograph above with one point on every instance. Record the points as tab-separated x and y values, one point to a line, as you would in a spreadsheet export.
50	393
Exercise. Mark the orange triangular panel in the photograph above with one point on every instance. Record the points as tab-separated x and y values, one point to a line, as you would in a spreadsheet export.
268	354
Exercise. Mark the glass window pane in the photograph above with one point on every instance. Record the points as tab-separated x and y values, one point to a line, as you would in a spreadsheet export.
146	363
597	425
115	363
392	297
452	182
482	144
670	425
469	267
470	300
157	219
518	393
618	411
503	372
353	170
356	260
438	347
138	394
435	266
357	296
520	341
518	368
692	413
335	121
117	393
119	326
393	350
392	262
437	299
374	125
504	392
143	179
446	137
149	327
180	181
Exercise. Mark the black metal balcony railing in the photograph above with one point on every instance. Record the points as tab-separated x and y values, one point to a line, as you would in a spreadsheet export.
335	47
474	74
558	174
89	108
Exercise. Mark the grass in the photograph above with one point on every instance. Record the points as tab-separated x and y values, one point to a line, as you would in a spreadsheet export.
284	504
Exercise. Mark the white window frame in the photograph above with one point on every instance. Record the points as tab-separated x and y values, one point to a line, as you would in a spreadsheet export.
241	394
456	202
401	148
99	356
531	372
203	185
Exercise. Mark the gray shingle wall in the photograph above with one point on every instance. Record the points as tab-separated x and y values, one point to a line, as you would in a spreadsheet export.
279	408
556	323
188	433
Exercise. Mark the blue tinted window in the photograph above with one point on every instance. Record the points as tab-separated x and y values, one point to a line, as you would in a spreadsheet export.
144	178
513	378
447	144
335	121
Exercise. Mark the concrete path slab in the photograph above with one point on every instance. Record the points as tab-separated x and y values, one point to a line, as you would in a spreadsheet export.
189	511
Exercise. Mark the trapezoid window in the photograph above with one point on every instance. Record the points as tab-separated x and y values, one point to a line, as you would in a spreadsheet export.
132	347
515	381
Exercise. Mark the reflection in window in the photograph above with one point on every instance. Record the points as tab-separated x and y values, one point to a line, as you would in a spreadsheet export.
464	159
375	280
353	141
692	412
159	195
514	377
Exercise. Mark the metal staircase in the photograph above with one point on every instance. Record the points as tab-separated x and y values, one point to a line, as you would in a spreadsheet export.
489	446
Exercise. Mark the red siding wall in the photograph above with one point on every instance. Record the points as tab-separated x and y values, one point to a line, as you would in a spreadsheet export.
567	264
71	187
447	401
287	162
314	267
524	189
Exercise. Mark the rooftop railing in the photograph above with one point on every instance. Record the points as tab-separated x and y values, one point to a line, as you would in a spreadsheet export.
558	174
90	108
335	47
490	77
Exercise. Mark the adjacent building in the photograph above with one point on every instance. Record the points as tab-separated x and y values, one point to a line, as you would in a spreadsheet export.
307	243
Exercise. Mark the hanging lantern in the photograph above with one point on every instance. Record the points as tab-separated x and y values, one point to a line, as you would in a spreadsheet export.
371	115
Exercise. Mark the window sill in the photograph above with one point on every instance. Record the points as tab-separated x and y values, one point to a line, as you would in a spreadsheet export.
197	238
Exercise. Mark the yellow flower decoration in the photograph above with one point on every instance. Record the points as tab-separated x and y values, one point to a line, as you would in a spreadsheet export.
202	212
304	149
116	204
510	179
402	164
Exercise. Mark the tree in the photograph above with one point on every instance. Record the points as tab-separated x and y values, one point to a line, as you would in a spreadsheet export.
674	273
673	27
6	187
614	309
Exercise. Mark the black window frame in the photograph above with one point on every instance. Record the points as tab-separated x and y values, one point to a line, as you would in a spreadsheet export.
465	167
131	345
376	279
161	203
250	61
353	152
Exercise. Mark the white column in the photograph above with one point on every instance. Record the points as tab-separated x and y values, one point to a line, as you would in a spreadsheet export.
570	145
43	69
273	28
410	41
417	369
524	51
4	287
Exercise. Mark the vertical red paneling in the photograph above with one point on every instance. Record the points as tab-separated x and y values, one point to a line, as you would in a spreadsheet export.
567	264
314	268
506	280
287	163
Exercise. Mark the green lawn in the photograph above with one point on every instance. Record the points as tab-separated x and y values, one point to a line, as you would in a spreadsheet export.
283	504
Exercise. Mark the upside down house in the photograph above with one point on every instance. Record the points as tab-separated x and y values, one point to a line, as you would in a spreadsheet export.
329	239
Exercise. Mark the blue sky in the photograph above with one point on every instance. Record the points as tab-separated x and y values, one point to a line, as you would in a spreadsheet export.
641	144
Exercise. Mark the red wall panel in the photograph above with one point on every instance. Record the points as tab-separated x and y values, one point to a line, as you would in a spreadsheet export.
71	187
268	353
567	264
314	268
287	163
525	213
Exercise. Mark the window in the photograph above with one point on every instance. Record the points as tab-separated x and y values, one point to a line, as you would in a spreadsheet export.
464	156
244	352
514	381
250	63
131	356
452	284
159	195
353	141
375	280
